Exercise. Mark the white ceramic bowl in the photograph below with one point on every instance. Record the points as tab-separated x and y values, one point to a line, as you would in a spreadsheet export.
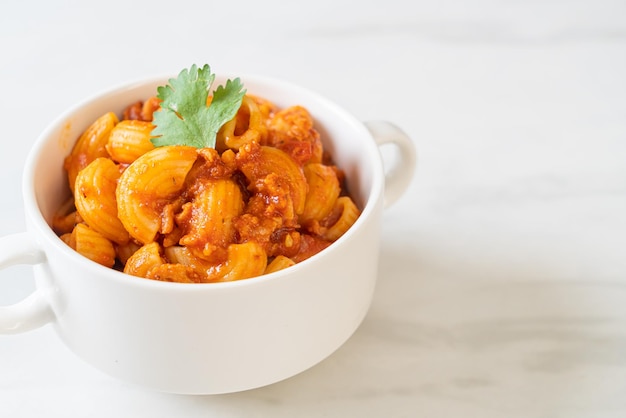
205	338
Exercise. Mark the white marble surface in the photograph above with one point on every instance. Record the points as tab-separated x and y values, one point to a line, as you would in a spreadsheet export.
502	287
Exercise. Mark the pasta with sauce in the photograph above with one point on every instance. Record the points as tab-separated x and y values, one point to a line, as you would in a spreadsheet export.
267	197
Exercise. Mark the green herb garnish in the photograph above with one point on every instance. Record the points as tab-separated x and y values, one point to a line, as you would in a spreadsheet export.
185	118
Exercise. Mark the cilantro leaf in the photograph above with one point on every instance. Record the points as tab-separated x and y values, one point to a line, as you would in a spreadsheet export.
185	118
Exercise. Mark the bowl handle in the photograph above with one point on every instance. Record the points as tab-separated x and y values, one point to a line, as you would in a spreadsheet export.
399	175
34	311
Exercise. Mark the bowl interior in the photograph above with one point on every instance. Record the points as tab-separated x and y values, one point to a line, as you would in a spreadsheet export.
346	138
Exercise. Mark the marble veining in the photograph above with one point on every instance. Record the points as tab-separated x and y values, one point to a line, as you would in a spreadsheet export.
502	278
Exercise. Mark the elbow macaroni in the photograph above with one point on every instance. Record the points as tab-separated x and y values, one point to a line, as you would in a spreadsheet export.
265	199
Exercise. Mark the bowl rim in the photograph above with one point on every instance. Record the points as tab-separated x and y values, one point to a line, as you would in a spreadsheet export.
37	220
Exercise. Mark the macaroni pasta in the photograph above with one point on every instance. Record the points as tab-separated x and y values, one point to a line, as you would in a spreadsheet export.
267	197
